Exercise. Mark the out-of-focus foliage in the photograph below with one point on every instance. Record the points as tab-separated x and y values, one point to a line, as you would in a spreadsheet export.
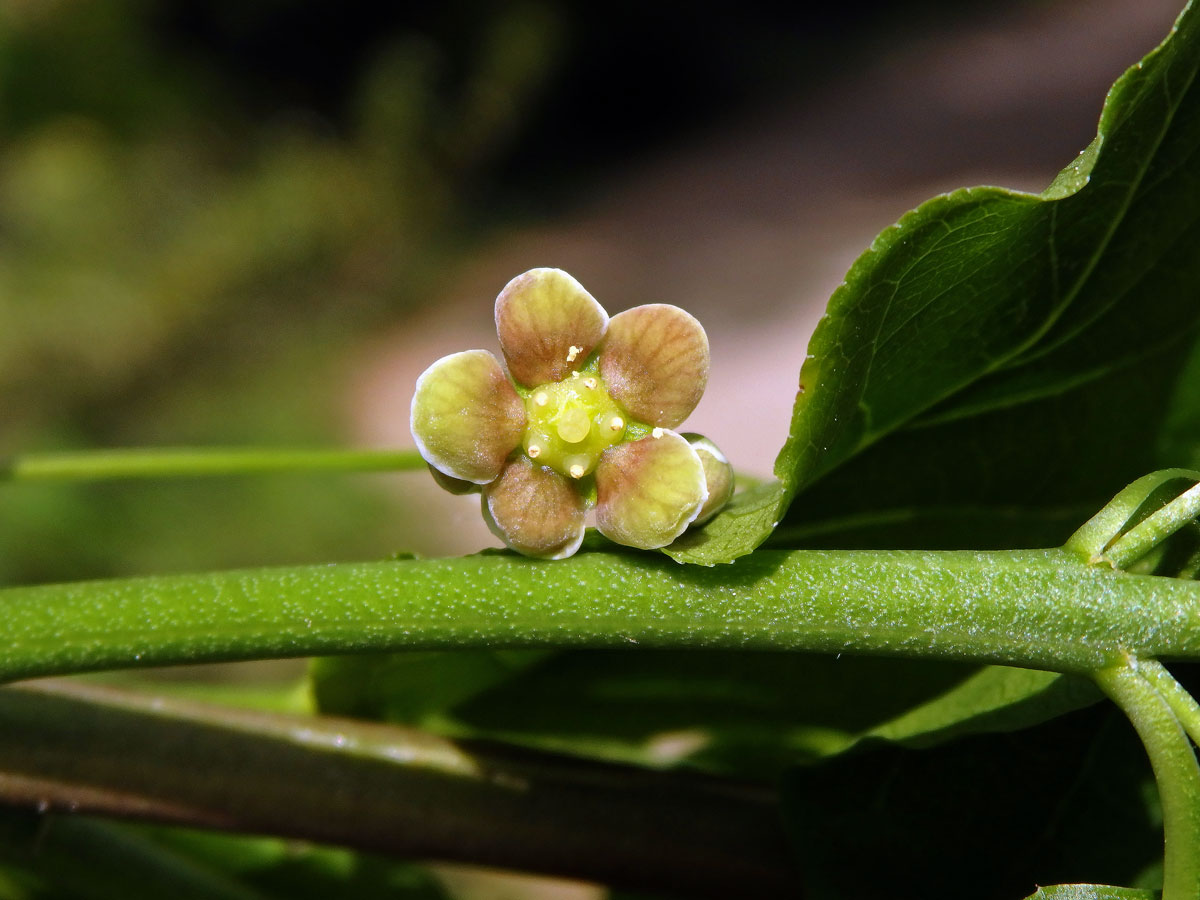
185	259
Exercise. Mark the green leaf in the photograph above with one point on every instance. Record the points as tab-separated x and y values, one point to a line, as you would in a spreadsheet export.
295	870
987	817
994	699
79	857
411	688
729	712
1180	441
1090	892
746	714
995	350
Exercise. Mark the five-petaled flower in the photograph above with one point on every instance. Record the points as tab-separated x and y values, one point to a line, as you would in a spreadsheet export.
584	421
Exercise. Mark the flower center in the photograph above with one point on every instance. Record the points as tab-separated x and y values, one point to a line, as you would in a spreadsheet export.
570	423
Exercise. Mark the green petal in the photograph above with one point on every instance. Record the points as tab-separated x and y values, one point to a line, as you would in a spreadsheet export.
534	510
649	491
466	417
548	325
718	475
655	362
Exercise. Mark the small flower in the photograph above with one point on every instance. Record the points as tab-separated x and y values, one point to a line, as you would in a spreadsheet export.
585	421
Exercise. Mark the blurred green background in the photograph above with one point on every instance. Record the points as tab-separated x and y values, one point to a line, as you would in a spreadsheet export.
211	212
227	223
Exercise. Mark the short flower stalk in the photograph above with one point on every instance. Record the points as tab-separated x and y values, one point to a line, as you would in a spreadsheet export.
583	421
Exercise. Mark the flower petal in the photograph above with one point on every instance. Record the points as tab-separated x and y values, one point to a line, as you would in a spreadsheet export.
718	475
548	325
453	485
649	491
466	418
534	510
655	362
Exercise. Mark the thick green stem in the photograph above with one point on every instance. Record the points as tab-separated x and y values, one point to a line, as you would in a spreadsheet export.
1041	609
188	462
1175	770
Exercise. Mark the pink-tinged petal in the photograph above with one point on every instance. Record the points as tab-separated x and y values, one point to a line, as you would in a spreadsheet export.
718	476
548	325
534	510
655	360
466	418
649	491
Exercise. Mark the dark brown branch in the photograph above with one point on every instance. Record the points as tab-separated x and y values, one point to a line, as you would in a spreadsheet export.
67	746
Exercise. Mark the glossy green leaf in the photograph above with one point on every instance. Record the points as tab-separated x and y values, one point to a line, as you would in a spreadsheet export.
1090	892
745	714
1001	351
748	714
412	688
297	870
78	857
993	699
987	817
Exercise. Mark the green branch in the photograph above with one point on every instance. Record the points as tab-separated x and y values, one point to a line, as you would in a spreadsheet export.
1038	609
188	462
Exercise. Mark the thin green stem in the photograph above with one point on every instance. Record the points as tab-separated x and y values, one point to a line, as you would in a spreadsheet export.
1183	704
1175	770
1041	609
1095	535
189	462
1155	529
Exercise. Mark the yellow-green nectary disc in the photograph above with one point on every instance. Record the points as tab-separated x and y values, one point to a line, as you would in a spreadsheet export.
570	423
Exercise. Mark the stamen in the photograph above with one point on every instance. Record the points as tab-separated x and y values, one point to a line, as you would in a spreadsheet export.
534	451
616	423
541	398
576	471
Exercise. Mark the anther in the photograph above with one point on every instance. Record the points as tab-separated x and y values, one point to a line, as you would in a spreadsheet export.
540	398
534	451
573	352
590	383
616	423
657	432
576	471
